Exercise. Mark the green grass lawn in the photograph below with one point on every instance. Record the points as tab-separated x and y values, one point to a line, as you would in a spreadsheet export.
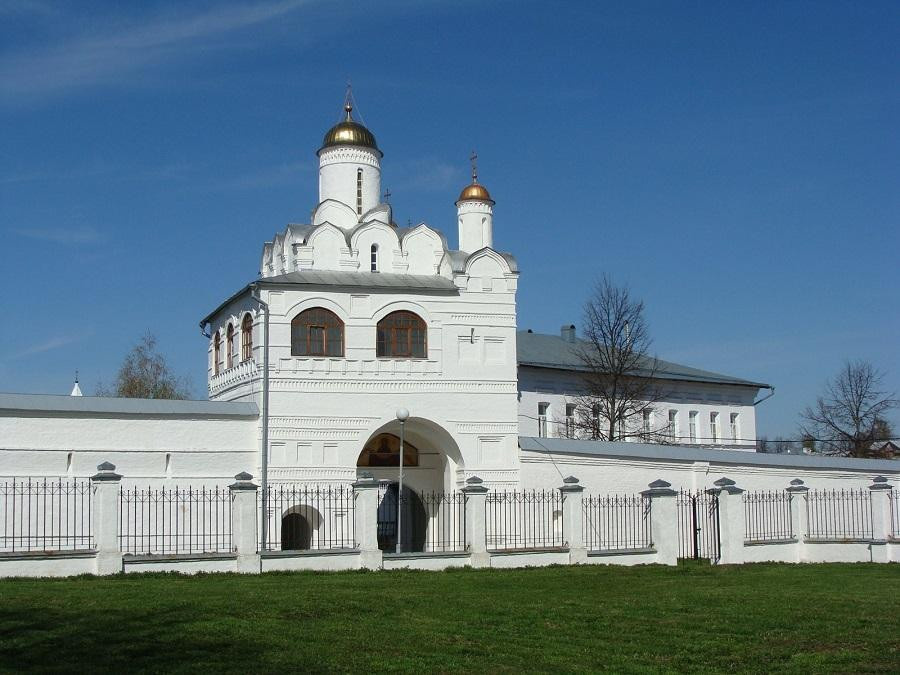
640	619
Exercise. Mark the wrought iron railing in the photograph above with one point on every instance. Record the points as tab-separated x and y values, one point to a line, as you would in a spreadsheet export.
616	522
839	514
305	517
525	520
429	522
45	514
767	516
173	521
698	525
895	513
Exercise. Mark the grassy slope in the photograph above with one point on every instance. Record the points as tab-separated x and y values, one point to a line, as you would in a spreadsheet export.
751	618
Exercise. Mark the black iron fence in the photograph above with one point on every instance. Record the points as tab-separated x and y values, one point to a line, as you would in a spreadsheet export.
698	525
173	521
526	520
839	514
429	521
617	522
767	516
895	513
45	514
309	517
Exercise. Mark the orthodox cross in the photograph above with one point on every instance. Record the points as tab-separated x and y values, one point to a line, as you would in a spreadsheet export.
473	159
387	196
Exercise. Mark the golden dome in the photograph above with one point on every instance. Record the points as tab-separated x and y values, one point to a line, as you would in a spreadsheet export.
349	132
475	192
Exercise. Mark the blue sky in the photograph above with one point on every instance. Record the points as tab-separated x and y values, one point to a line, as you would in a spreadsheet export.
737	164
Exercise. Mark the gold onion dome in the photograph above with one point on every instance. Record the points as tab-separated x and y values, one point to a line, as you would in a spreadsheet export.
475	192
349	132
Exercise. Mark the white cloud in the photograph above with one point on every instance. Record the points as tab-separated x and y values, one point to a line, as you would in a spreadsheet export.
108	57
61	235
46	346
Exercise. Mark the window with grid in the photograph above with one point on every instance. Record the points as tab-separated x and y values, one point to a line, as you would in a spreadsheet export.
247	338
374	258
359	192
543	409
402	335
714	427
735	432
673	425
229	346
317	332
692	426
570	420
646	421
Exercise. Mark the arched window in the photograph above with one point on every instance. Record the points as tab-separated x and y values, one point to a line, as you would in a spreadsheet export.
374	257
229	346
359	192
217	353
317	332
402	334
247	338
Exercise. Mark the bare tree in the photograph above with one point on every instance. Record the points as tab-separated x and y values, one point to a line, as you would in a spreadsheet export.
145	374
850	416
619	389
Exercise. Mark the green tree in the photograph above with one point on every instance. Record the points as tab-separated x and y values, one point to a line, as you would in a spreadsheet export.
144	373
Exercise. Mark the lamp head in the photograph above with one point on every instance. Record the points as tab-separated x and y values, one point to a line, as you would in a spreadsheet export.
402	414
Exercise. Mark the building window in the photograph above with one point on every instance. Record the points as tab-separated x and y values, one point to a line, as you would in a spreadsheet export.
570	420
646	422
714	426
595	421
247	338
543	409
735	430
317	332
692	426
359	192
673	425
402	335
621	434
217	353
373	258
229	346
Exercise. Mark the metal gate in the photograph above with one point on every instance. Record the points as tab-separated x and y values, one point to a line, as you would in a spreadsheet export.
698	525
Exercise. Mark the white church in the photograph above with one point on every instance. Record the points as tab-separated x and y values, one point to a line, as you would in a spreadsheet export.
352	318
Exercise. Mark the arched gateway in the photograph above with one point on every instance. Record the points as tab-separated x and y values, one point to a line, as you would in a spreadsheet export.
432	463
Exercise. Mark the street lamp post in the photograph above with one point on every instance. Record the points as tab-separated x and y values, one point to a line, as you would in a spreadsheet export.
402	416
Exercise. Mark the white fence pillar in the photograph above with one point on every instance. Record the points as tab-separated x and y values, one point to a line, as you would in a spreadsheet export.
365	521
663	521
731	521
106	484
799	517
476	529
882	527
245	523
573	520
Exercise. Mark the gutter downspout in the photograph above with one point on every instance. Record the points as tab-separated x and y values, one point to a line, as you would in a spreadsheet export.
765	398
254	293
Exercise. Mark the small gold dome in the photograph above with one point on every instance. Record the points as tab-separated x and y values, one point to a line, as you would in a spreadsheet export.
349	132
475	192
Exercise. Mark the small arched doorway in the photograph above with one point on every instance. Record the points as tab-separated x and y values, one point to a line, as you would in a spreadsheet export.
413	519
296	533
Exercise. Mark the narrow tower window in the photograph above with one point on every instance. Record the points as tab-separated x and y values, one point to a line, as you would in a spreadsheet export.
374	257
217	353
359	192
229	346
247	338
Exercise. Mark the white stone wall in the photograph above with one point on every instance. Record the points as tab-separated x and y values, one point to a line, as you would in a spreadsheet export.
617	474
146	449
338	168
